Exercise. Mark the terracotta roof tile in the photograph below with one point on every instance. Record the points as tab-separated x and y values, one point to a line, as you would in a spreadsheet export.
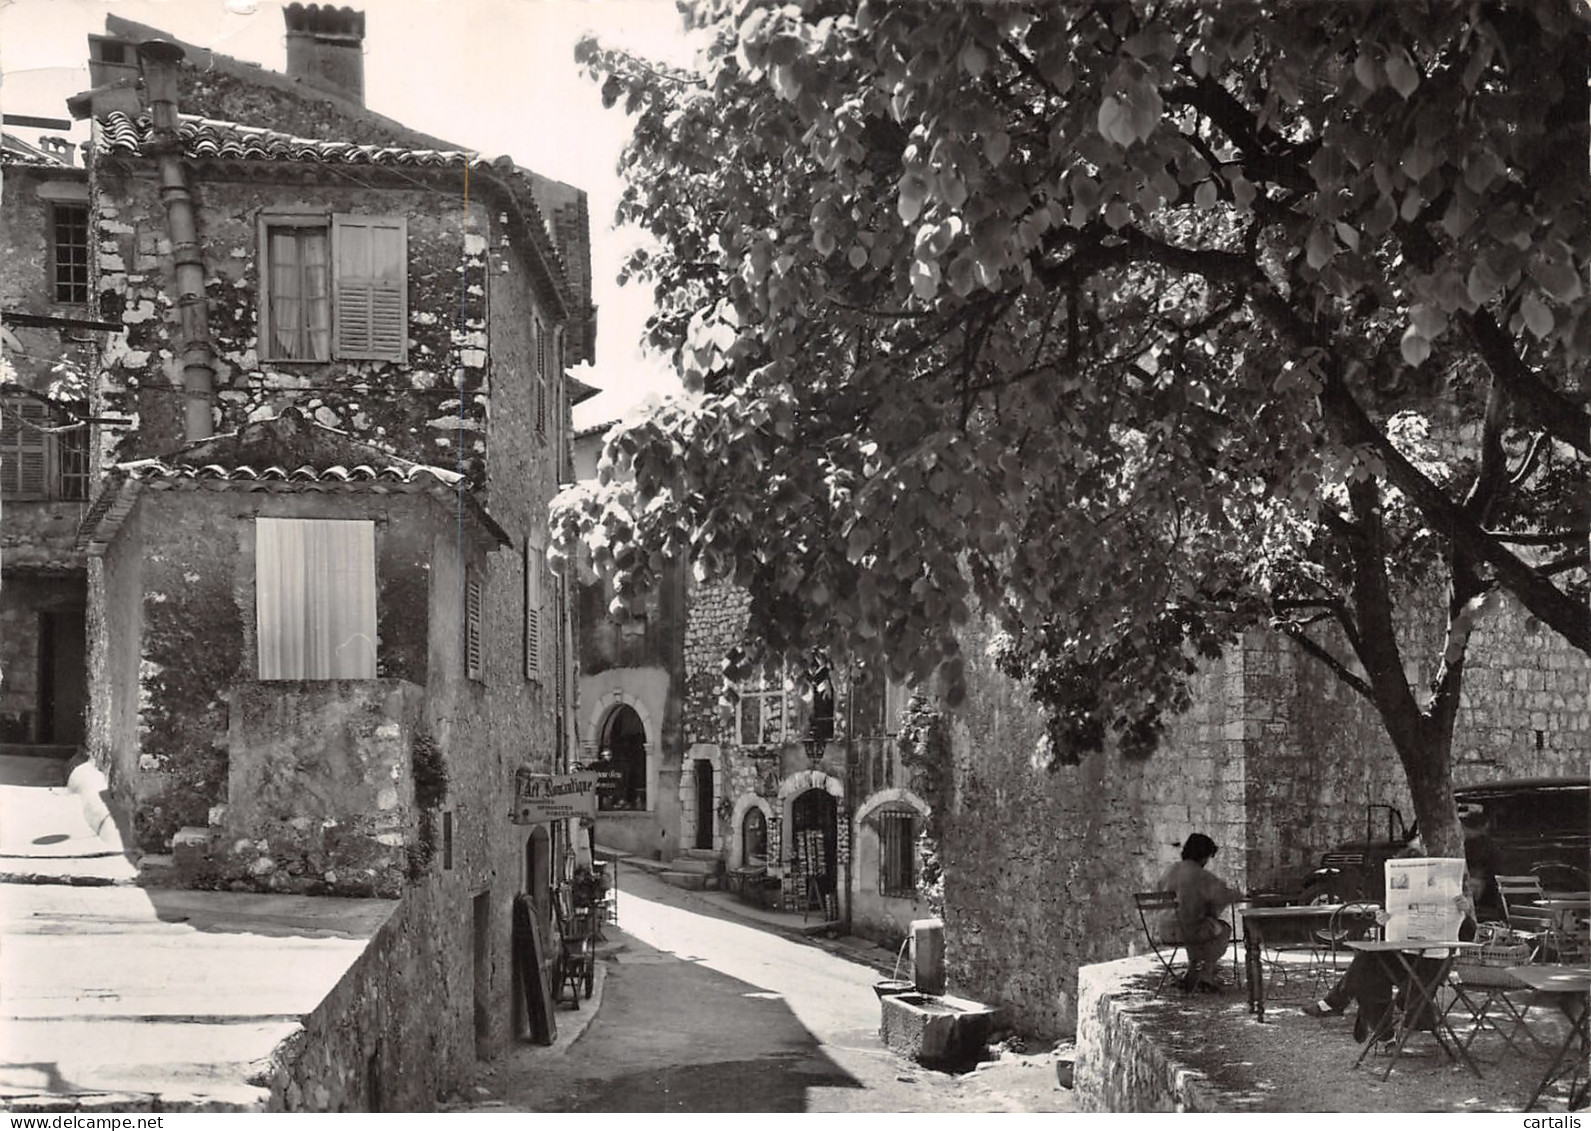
121	134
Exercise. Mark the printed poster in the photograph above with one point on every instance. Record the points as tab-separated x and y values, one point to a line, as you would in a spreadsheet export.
1420	898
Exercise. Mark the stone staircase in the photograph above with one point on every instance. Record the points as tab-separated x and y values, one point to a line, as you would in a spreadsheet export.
695	869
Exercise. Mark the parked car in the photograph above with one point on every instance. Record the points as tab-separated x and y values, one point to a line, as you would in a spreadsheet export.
1539	826
1353	869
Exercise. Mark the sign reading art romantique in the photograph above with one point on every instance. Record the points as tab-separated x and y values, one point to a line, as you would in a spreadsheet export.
539	798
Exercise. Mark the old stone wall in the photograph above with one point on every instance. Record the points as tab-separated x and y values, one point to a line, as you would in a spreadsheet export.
715	623
398	1032
1276	760
431	408
26	279
1318	753
196	634
115	649
1125	1058
320	787
1040	860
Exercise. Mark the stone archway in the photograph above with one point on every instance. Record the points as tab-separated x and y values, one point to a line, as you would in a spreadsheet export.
744	805
793	786
889	797
639	719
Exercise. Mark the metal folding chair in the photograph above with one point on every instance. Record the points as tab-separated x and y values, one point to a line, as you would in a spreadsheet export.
1349	921
1149	904
1536	924
1482	987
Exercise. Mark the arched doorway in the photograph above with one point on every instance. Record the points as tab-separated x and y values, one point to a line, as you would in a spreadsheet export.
621	762
754	839
814	827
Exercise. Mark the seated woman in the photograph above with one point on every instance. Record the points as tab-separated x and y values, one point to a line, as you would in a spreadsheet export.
1379	982
1196	923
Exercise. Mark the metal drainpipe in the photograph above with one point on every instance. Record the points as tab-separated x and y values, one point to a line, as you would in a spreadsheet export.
159	59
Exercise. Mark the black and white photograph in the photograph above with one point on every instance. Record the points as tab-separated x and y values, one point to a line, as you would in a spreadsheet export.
867	557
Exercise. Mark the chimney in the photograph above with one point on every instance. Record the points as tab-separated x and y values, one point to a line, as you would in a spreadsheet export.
326	48
59	148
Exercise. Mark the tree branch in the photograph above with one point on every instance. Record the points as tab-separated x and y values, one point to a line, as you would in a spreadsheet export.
1315	650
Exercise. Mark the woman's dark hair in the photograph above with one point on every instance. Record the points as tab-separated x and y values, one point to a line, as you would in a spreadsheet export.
1198	847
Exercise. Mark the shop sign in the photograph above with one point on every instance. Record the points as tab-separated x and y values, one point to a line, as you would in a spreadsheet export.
539	798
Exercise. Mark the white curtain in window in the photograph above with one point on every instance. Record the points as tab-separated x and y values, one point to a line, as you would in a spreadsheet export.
300	294
315	588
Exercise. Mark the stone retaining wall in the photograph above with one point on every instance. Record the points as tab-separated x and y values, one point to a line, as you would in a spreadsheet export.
1119	1066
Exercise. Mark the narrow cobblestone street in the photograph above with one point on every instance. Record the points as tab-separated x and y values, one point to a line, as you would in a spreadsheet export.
701	1012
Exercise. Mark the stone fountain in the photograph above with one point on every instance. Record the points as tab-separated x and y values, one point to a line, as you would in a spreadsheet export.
936	1029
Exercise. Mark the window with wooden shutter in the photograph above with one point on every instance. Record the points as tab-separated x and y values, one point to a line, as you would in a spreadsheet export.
295	288
535	563
315	598
42	455
473	594
370	257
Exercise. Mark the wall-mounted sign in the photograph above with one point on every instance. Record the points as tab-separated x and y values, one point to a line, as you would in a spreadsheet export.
553	797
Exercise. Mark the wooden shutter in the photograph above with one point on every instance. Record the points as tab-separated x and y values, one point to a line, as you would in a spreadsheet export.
24	449
897	697
371	255
472	625
534	562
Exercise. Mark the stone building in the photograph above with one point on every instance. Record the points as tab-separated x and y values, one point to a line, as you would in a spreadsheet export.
44	446
322	637
736	779
1276	761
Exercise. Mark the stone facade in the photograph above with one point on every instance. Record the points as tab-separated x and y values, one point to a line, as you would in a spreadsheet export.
322	787
1275	761
47	370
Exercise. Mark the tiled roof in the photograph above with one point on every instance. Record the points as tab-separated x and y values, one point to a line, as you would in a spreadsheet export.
194	468
121	134
15	151
405	473
206	137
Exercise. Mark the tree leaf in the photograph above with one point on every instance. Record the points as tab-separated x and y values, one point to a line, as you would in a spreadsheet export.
1537	316
1401	72
911	194
1415	348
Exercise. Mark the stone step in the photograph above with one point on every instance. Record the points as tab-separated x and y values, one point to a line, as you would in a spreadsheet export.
700	867
690	881
157	870
697	854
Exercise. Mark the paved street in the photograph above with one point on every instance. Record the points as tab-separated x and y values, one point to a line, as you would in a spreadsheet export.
701	1012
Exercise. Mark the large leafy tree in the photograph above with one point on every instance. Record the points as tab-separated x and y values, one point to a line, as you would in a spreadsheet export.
1136	324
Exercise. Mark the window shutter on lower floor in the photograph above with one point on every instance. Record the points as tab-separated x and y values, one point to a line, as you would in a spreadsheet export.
24	448
372	286
473	597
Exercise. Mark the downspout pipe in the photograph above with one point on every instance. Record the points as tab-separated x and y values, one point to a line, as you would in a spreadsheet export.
159	59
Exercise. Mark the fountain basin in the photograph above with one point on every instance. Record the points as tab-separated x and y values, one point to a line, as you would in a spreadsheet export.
936	1030
885	987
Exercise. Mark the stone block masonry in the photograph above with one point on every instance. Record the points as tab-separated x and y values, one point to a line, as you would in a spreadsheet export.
1275	761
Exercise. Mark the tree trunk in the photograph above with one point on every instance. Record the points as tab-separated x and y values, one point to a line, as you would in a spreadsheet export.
1428	765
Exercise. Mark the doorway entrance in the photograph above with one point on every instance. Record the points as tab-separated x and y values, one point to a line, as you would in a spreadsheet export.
814	824
621	763
704	804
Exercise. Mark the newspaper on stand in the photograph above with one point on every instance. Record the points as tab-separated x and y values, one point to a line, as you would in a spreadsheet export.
1422	898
